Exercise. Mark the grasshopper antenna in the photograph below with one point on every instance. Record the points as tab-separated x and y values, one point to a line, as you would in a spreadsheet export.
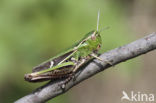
104	28
98	20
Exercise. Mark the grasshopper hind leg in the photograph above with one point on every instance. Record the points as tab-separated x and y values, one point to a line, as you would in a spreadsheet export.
63	84
72	75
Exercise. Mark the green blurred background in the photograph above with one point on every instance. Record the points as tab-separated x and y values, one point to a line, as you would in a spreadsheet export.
32	31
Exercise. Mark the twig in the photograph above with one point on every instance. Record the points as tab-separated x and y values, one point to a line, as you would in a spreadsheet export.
121	54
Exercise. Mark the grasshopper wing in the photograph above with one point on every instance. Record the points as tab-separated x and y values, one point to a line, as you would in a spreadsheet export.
58	59
53	61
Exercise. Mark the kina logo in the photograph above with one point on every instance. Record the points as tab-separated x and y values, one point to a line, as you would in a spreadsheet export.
138	97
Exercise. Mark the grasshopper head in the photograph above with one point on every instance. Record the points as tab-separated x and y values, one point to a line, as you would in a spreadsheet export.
94	40
95	35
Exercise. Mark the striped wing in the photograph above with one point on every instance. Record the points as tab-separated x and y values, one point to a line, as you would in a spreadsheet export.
52	62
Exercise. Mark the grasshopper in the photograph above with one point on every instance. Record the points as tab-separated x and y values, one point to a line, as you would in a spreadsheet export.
67	63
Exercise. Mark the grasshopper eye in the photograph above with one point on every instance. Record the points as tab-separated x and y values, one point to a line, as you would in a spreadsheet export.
93	37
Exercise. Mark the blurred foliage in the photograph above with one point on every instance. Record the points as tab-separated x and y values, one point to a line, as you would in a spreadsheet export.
32	31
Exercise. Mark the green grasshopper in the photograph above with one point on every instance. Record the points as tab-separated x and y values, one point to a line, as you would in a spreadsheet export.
67	63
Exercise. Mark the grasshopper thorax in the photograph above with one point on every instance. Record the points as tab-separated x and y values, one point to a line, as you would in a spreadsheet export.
90	44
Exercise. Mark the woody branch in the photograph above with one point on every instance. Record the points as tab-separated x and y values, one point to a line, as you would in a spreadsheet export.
115	56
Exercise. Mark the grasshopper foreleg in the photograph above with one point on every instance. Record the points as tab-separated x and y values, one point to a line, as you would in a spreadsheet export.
95	56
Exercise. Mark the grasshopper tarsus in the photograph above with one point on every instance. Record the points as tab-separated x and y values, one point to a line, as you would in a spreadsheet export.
67	80
108	62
